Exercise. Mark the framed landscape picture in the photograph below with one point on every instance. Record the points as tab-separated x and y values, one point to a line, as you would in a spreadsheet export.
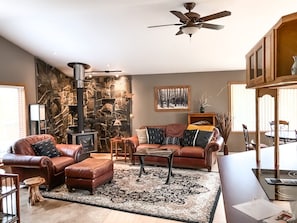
172	98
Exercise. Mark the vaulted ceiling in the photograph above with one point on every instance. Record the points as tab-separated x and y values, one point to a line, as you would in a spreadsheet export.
113	34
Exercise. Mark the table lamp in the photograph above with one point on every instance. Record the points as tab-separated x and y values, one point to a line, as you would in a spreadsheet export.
117	123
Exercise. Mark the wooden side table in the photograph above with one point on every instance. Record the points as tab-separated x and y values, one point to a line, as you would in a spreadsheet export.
114	145
33	189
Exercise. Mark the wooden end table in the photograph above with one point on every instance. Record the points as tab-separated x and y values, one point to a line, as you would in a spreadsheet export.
114	145
33	189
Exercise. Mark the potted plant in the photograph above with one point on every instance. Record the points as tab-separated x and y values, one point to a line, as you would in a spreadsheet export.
224	125
203	103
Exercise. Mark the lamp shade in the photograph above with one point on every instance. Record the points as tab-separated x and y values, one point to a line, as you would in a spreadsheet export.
37	112
117	122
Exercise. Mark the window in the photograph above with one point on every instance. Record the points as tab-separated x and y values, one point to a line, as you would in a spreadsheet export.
243	107
12	116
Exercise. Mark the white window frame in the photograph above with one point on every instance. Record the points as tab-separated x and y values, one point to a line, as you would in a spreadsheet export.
12	116
242	107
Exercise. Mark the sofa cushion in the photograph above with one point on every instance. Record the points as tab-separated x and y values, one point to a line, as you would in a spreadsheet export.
203	138
155	135
171	141
24	146
192	152
142	135
45	148
61	162
189	137
175	130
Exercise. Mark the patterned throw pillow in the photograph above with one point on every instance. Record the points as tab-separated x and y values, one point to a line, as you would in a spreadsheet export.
155	135
189	137
171	141
45	148
203	138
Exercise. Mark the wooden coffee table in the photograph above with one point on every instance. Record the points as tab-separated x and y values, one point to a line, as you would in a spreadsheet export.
166	153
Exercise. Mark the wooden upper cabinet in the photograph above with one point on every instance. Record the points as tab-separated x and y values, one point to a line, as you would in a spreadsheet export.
255	65
269	62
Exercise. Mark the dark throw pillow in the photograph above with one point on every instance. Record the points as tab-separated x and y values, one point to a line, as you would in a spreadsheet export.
155	135
45	148
189	137
171	141
203	138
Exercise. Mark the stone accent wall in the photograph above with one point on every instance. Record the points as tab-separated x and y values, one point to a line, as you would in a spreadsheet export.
105	100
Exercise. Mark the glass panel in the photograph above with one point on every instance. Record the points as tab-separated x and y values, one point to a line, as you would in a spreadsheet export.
252	67
259	65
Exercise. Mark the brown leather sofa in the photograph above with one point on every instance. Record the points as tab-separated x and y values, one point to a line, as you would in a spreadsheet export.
23	160
185	156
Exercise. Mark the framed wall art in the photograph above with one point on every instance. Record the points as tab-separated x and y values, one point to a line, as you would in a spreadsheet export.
172	98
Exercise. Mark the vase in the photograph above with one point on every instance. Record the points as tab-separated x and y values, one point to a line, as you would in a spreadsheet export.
202	109
294	66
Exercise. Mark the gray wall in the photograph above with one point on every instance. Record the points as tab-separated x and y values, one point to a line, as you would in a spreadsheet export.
17	68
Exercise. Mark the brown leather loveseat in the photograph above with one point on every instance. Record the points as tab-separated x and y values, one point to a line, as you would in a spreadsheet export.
198	152
24	161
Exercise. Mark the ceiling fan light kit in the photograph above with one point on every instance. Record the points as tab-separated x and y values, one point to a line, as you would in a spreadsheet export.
190	30
191	22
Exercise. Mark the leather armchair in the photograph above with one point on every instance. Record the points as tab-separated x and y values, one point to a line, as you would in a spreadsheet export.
23	161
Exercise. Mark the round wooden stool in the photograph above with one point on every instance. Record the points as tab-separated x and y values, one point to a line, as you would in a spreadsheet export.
33	189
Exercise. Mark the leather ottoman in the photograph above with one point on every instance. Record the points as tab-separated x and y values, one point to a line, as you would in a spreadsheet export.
88	174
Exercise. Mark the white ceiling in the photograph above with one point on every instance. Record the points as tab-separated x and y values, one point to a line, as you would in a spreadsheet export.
114	33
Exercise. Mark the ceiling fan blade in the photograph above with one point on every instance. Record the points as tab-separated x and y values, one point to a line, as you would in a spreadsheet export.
215	16
211	26
183	18
179	32
175	24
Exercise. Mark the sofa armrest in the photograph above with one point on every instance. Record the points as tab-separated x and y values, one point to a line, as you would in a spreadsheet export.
216	145
211	150
16	160
71	150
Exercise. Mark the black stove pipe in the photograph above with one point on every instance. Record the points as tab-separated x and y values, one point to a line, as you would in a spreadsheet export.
79	75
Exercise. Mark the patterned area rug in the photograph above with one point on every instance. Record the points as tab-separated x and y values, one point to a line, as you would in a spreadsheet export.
191	196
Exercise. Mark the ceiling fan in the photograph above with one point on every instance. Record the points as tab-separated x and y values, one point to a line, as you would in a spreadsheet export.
190	21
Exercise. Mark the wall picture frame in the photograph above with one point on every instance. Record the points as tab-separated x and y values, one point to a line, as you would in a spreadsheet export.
172	98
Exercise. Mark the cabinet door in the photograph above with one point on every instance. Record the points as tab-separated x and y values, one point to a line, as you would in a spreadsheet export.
269	56
255	65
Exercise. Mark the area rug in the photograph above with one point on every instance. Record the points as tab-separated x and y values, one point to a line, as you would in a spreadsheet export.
191	196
